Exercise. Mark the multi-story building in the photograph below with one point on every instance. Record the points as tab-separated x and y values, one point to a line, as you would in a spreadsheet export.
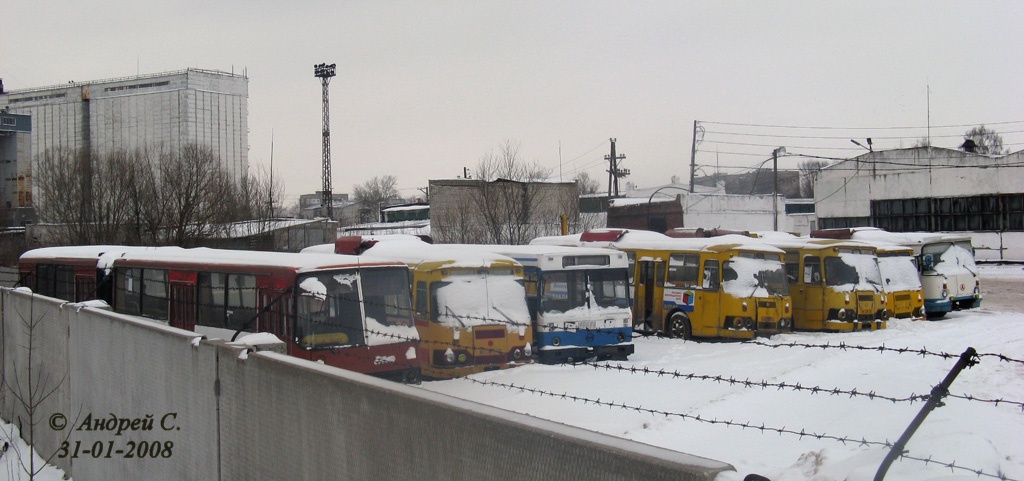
159	111
15	168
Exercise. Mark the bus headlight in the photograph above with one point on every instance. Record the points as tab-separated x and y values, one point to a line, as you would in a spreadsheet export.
556	341
528	350
517	354
622	337
449	356
842	314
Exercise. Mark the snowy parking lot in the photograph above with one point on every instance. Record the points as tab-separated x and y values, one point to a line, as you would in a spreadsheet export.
804	405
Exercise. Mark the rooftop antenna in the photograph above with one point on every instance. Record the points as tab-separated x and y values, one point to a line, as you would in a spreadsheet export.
324	72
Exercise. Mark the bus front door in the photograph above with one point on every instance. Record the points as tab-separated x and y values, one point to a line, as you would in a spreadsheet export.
646	310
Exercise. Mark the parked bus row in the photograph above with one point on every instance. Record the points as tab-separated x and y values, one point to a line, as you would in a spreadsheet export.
399	312
729	287
944	263
344	311
575	302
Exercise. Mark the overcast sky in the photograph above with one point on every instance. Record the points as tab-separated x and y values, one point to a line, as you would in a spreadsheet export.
424	89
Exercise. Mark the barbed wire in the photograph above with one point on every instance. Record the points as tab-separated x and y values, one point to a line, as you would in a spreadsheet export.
921	351
801	434
762	384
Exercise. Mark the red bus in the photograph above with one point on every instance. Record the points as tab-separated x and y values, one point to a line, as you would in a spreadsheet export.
344	311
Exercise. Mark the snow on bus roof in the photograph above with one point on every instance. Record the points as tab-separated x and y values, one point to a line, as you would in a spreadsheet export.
414	252
709	244
541	249
872	234
640	239
812	243
225	257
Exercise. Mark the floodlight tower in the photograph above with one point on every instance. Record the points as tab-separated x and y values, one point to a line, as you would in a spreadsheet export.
324	72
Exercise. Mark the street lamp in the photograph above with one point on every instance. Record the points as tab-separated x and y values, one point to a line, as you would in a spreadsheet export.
775	193
869	148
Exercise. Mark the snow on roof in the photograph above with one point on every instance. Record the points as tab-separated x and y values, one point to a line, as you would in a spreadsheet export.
641	239
871	234
813	243
414	252
540	249
224	257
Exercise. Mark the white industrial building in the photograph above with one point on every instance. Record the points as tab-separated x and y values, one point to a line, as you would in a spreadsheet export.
159	111
929	189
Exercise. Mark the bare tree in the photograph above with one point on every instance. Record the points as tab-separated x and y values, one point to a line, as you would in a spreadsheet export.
31	383
375	192
983	141
808	172
149	196
587	184
510	199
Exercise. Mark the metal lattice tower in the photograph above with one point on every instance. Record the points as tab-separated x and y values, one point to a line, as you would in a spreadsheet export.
324	72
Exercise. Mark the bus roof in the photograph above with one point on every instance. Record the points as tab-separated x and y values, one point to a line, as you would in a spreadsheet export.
874	234
810	243
523	252
418	253
299	262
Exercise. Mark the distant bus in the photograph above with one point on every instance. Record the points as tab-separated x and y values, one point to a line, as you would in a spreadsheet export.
469	307
900	280
949	275
72	273
344	311
578	299
836	284
729	287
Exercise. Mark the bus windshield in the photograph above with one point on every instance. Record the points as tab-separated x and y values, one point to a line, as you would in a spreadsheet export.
853	270
476	298
610	287
328	310
899	272
755	275
564	291
388	306
950	257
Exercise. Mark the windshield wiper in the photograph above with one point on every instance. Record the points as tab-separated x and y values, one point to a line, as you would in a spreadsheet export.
449	312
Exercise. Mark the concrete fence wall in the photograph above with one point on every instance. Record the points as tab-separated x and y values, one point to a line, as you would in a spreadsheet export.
206	409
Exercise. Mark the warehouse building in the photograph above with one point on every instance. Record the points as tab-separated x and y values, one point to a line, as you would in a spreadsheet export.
929	189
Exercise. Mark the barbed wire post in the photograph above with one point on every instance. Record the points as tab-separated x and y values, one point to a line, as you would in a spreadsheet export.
967	359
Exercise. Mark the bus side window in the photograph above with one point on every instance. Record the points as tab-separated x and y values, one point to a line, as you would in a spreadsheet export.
812	270
710	279
421	298
792	268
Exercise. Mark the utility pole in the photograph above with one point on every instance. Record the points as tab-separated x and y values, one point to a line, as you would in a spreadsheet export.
324	72
693	155
614	172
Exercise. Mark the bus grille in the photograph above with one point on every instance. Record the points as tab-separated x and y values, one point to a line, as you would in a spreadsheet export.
489	333
866	298
766	305
903	297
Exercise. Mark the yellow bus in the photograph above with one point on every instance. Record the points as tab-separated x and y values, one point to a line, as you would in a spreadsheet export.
729	287
945	264
469	307
902	285
836	284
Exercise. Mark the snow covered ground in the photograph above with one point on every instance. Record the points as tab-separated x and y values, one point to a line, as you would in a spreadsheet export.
844	427
756	428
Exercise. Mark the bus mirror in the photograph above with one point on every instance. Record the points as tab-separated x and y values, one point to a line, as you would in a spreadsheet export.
927	261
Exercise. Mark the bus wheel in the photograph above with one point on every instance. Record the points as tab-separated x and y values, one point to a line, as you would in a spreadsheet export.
679	326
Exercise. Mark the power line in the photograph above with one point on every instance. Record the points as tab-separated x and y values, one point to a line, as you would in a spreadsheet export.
857	128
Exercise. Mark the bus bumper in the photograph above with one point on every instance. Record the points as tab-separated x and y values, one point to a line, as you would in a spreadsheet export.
852	326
